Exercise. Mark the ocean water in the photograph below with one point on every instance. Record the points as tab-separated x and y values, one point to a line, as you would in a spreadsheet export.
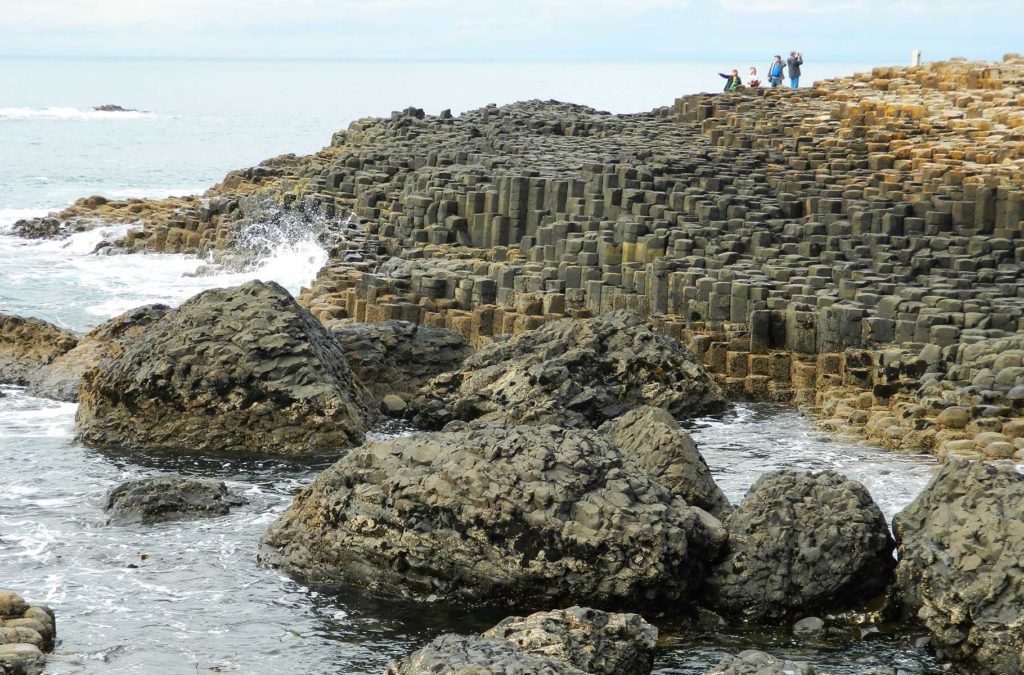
188	597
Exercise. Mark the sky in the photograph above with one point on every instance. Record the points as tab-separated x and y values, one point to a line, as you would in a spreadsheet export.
877	31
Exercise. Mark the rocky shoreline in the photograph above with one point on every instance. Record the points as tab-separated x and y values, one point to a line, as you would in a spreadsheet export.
544	290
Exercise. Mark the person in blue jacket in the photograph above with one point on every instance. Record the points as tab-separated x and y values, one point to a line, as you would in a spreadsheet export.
733	81
793	64
775	72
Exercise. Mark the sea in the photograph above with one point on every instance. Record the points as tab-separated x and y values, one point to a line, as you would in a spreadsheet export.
188	597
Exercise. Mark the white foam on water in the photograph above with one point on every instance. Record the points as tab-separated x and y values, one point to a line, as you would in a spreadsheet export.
62	113
9	217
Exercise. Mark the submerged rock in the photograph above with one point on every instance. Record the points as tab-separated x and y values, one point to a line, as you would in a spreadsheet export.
753	662
163	498
467	655
26	631
397	357
961	543
799	543
530	516
61	378
243	370
591	640
29	345
652	439
574	640
580	372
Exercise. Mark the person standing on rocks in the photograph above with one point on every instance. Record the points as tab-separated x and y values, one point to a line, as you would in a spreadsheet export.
733	81
775	72
793	64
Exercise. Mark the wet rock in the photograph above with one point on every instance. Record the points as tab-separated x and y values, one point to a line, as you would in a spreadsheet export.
242	370
960	546
461	655
652	439
111	107
811	627
163	498
580	372
28	345
398	357
589	639
799	543
753	662
26	631
530	516
60	378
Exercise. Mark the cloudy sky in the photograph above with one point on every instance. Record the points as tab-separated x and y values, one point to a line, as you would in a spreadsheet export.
858	30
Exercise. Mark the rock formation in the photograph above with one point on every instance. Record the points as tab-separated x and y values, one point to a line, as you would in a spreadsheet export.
799	543
753	662
26	632
60	378
28	345
397	357
961	543
531	516
241	370
651	438
580	372
163	498
571	641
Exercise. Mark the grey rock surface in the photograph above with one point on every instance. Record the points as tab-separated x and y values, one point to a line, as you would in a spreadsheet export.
531	516
240	370
397	357
753	662
28	345
799	543
475	655
652	439
594	641
580	372
26	632
961	543
163	498
60	378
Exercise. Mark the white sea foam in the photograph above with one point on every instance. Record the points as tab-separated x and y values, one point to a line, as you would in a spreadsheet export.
10	216
61	113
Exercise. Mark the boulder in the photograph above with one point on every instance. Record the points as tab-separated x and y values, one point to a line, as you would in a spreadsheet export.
753	662
28	345
802	542
60	378
652	439
469	655
529	516
26	631
961	543
589	639
163	498
579	372
398	357
241	370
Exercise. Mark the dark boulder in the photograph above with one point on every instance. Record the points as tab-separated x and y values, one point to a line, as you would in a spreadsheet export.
578	372
472	654
61	377
531	516
753	662
398	357
163	498
652	439
241	370
799	543
961	547
29	345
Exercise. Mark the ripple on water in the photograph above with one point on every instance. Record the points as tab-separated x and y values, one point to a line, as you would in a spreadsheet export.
188	596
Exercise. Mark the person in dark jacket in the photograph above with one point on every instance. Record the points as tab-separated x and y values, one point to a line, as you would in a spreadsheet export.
733	81
793	64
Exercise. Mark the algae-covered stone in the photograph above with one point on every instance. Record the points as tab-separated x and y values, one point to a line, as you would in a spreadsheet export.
531	516
162	498
243	370
28	345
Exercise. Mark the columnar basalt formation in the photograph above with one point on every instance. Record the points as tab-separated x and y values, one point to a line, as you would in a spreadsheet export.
26	632
856	246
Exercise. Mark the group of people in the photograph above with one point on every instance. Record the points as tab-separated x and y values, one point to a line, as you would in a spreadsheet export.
776	69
